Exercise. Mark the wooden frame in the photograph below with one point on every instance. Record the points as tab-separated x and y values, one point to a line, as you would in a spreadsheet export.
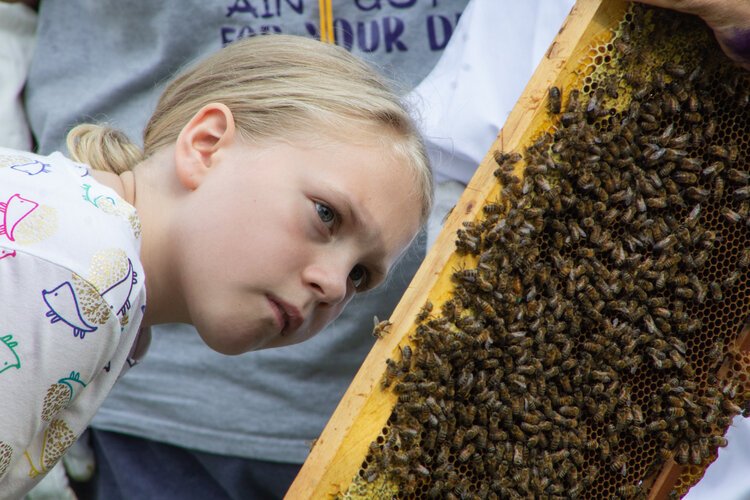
362	413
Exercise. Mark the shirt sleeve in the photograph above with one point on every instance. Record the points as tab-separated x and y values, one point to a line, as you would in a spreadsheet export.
58	338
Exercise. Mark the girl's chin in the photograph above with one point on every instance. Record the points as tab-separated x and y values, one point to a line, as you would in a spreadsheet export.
232	345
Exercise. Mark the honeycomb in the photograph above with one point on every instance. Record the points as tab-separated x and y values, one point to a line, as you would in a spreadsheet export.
593	335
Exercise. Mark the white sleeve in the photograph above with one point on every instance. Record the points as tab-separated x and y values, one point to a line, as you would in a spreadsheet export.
462	104
57	337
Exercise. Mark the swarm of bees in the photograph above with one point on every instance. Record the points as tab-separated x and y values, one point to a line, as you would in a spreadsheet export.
582	350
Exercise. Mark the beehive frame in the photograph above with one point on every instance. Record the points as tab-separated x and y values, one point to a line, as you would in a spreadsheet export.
364	412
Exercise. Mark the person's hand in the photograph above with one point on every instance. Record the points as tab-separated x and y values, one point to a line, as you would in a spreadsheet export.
34	4
729	19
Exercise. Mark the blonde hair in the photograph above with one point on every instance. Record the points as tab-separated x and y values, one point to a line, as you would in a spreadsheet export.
276	86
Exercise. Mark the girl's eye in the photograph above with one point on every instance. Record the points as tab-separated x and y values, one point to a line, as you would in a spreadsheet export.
326	214
358	277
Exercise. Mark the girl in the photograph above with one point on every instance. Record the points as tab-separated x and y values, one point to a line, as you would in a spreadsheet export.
279	177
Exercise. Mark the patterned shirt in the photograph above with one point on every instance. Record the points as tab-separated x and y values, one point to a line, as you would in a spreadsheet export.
72	296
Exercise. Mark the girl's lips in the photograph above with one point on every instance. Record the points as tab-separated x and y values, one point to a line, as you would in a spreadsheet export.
278	313
288	318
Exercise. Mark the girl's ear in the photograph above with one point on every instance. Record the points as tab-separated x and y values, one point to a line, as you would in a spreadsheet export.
209	130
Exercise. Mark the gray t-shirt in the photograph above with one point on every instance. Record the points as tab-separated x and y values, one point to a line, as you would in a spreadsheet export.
108	60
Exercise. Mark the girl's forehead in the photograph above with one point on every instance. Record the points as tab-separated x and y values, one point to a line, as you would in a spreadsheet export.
375	188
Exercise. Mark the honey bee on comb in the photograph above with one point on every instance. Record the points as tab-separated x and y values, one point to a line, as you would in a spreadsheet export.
555	100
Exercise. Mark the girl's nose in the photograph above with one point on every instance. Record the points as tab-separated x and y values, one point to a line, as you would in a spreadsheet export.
329	282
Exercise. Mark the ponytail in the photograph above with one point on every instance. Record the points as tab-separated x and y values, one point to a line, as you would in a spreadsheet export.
103	148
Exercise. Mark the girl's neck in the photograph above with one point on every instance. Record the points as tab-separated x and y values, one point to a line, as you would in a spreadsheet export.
153	182
123	184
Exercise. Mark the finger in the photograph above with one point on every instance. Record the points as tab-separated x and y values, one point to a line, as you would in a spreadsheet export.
686	6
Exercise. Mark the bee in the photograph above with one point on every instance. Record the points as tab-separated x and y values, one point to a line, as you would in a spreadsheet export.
570	119
693	103
554	100
718	151
642	91
737	177
573	104
466	453
649	126
676	412
729	282
493	208
742	193
569	411
601	412
685	178
625	49
619	464
444	453
586	253
535	169
403	387
716	291
670	104
719	441
406	357
399	457
718	188
744	261
666	244
657	426
683	453
647	117
466	243
743	98
529	428
393	442
713	169
709	130
695	75
696	457
391	372
421	470
424	311
593	107
604	449
409	432
380	328
680	280
697	194
676	87
506	158
465	382
484	284
371	475
730	389
406	397
630	490
731	216
481	439
452	309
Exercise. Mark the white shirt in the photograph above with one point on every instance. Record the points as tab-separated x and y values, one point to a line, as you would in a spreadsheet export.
72	294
